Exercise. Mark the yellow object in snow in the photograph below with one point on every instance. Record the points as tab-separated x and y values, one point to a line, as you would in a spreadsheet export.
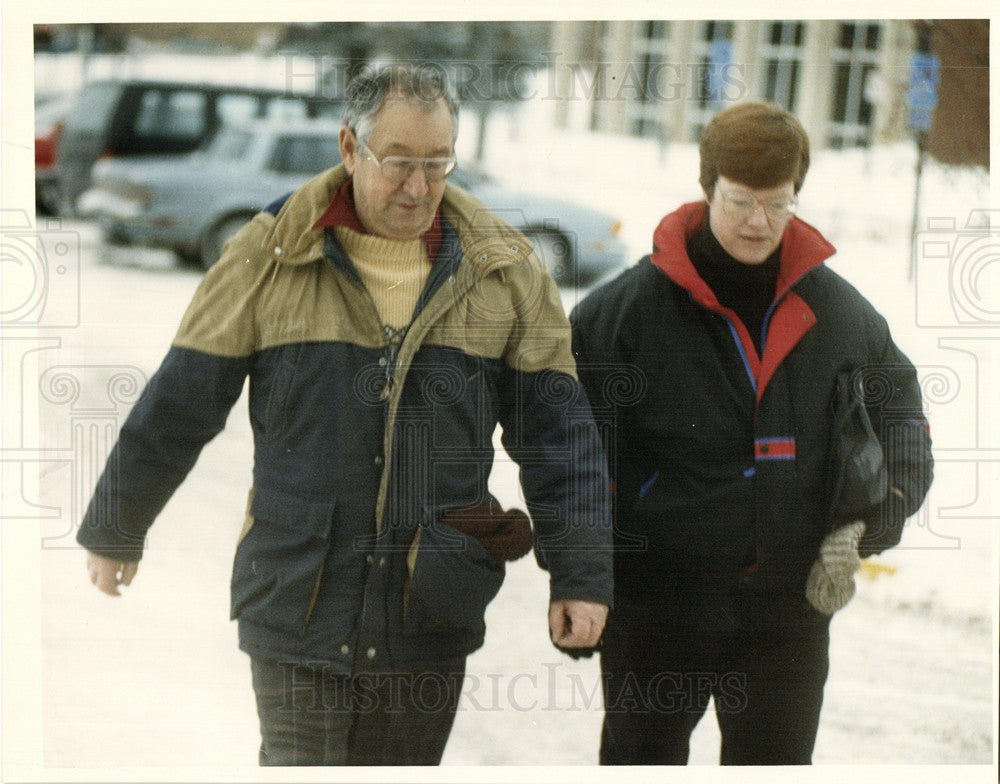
873	570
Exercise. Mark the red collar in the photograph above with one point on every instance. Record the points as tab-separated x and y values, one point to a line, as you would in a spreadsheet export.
802	248
341	212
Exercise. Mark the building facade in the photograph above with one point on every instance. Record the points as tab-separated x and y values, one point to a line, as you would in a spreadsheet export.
846	80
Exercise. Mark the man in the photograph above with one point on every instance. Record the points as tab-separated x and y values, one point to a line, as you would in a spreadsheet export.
387	323
771	435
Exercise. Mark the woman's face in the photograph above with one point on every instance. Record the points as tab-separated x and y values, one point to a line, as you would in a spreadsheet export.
749	223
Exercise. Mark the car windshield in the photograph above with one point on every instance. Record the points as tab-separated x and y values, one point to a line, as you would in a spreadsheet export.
465	177
305	154
90	112
231	144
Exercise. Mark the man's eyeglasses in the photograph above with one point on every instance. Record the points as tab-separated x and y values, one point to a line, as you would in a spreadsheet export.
398	168
740	205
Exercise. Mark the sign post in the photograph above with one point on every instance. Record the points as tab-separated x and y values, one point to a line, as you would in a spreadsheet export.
921	100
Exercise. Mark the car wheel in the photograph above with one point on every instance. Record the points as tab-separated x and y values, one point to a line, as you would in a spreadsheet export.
554	251
188	257
47	200
114	236
219	235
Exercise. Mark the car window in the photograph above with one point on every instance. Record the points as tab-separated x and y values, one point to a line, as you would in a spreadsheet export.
324	109
174	114
93	107
282	108
235	109
304	154
470	178
231	144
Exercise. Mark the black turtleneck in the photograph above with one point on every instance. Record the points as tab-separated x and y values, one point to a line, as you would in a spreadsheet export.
747	289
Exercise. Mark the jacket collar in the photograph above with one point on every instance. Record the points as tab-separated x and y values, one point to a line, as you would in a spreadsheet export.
342	211
295	238
803	248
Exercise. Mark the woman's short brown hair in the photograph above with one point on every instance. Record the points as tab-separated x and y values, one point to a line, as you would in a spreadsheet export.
758	144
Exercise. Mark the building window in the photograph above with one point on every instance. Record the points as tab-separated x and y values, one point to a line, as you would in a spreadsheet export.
781	52
649	50
855	59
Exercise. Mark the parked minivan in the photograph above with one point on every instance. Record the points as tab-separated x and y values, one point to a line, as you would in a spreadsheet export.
142	117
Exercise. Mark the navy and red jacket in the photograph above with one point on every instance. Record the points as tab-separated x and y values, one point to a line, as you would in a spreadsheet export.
721	456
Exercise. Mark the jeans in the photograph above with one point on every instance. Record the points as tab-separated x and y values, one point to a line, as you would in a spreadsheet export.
310	715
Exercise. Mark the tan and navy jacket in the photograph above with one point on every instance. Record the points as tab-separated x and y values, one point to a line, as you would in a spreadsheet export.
365	436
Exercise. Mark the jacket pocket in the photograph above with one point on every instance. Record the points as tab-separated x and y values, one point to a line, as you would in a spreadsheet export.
453	579
276	409
279	561
670	530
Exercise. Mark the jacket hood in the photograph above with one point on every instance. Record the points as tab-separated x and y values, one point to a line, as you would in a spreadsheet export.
802	248
292	239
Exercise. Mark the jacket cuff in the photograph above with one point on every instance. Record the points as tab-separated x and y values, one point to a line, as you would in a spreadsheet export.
884	524
111	543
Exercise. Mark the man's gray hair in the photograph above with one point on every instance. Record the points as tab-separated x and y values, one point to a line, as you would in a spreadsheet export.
368	91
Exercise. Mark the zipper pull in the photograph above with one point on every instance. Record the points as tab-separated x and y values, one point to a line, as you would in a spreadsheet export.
394	339
386	388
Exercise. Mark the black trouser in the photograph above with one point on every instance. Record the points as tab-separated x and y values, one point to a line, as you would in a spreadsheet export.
661	668
310	715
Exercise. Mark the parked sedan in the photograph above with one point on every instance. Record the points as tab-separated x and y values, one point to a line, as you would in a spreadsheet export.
576	243
193	204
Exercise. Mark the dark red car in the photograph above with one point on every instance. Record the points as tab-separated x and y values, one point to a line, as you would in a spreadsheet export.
50	118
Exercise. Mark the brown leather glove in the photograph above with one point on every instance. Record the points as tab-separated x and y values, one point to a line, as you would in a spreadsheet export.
505	535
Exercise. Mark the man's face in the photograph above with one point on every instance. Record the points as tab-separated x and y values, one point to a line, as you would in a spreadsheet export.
749	223
405	127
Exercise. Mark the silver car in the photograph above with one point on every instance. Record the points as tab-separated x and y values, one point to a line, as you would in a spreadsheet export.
576	243
193	204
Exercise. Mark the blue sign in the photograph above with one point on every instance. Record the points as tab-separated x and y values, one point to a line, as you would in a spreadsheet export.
922	95
720	54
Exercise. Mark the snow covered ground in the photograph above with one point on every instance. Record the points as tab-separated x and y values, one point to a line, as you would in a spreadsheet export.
151	686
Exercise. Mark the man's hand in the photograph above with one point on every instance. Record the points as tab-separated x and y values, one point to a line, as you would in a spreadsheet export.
574	623
107	574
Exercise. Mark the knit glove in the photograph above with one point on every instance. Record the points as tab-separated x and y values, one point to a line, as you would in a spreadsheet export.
830	584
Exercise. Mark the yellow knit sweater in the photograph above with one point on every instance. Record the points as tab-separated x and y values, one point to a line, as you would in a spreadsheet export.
393	271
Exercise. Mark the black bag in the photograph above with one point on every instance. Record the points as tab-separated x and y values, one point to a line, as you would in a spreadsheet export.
858	478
